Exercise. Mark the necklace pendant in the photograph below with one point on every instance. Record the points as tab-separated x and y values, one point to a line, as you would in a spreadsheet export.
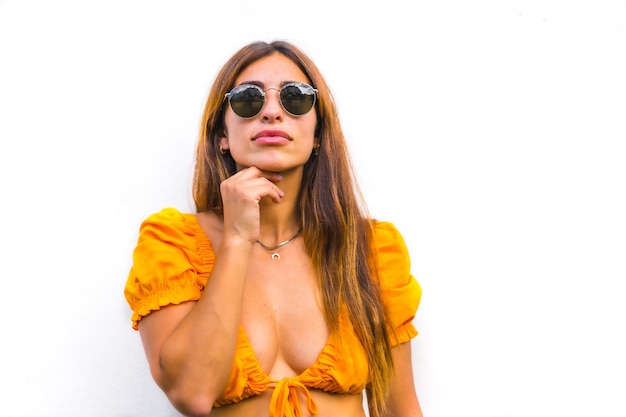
275	254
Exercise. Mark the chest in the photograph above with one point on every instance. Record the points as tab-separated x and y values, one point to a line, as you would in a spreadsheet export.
282	314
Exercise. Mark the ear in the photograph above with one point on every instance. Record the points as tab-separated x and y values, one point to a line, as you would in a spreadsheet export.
224	144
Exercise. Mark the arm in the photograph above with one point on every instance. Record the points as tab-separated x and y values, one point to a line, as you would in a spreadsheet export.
190	347
403	400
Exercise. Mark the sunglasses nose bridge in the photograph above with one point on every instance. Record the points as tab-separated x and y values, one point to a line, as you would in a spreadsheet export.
272	98
278	90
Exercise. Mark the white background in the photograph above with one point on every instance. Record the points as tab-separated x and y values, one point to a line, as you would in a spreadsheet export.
492	133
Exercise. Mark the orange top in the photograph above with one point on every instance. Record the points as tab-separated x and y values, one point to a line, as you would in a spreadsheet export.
172	262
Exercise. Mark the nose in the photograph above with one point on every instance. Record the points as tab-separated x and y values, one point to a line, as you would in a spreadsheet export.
272	110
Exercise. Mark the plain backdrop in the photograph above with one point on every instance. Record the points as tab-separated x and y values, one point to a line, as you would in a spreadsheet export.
492	133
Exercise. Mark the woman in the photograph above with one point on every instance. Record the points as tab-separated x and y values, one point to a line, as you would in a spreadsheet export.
279	293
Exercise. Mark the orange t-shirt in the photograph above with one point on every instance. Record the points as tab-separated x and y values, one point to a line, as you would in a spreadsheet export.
172	262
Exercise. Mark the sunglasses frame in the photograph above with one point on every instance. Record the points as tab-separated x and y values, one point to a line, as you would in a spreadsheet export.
300	85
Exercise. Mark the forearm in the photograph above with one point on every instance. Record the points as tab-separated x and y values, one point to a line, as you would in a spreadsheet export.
403	400
195	361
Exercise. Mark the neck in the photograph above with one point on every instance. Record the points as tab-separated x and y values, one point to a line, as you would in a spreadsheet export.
277	223
278	220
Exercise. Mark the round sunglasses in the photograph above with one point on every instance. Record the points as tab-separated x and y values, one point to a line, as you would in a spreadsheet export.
247	100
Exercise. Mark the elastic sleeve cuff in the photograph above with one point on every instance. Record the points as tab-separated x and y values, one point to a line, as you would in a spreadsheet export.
404	333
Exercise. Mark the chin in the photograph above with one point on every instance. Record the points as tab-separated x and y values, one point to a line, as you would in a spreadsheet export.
272	160
274	167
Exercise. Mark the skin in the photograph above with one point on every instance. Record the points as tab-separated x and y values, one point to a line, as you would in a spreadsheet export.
190	347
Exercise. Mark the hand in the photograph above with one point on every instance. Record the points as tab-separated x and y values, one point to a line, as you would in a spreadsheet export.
241	198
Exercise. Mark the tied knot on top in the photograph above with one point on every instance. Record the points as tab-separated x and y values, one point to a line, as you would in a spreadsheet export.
285	402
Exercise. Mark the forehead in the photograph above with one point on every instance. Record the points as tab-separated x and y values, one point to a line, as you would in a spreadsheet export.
272	70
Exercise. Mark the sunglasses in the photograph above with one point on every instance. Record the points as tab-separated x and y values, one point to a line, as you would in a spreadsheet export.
247	100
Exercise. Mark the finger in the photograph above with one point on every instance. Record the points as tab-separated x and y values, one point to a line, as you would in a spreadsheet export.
253	171
276	194
272	176
255	184
254	175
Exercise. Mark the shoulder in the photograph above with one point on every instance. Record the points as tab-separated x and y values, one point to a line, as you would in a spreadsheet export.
172	235
391	250
400	290
386	232
171	262
170	218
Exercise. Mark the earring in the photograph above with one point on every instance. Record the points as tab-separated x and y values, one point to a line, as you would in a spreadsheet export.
316	150
222	150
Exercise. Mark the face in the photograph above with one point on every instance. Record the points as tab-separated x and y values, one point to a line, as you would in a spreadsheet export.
272	140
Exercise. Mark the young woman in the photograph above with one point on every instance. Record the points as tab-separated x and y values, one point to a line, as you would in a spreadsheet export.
280	296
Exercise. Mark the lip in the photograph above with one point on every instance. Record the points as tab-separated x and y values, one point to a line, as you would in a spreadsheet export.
271	137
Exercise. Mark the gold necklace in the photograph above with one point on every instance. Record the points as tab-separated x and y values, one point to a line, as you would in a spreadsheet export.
276	255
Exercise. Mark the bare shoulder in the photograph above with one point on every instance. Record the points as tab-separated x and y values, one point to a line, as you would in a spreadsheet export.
212	224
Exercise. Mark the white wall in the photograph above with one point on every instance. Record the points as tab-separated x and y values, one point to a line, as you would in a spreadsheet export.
491	132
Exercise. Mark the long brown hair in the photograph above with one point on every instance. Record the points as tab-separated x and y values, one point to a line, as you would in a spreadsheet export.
336	228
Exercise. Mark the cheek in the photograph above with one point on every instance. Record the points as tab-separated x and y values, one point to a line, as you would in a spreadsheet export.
234	126
311	125
229	121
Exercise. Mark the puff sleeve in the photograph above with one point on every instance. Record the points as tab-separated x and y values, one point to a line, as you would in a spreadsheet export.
170	265
401	291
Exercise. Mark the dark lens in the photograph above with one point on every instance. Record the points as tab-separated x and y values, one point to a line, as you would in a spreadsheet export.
246	100
297	98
